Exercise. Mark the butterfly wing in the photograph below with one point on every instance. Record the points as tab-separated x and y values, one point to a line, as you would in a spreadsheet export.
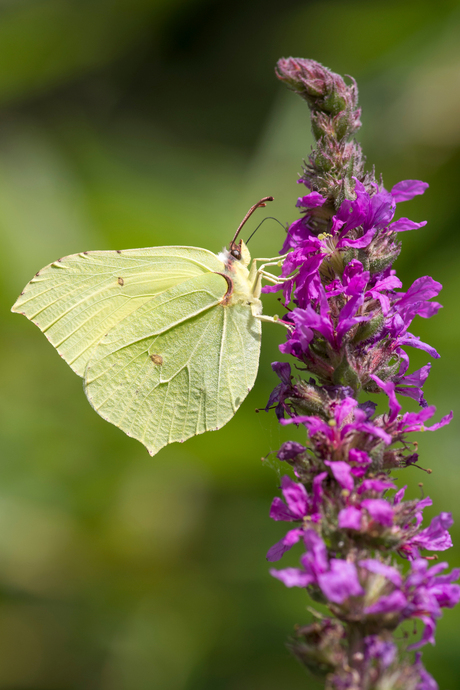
75	301
179	366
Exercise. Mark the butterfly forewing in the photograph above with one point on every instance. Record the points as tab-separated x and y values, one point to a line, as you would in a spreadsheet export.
75	301
181	365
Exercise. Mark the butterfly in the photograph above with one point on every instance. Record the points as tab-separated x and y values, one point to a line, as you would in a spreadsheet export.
167	339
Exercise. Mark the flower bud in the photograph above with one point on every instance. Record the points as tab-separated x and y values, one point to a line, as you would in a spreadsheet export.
322	89
383	253
317	646
367	329
308	398
345	375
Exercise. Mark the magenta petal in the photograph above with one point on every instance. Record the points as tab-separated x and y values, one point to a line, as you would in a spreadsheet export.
374	430
286	543
417	378
295	496
307	319
388	283
279	511
424	503
385	652
394	602
445	420
383	207
283	371
318	490
422	288
375	566
359	456
407	189
311	200
379	510
414	341
340	582
350	518
289	450
428	633
342	473
343	409
399	495
352	270
375	485
448	595
415	421
412	421
358	472
389	388
292	577
272	288
315	560
427	682
404	224
360	242
435	537
346	317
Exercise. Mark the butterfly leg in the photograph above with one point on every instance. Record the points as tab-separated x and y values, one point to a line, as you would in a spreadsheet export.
270	278
256	275
273	261
275	319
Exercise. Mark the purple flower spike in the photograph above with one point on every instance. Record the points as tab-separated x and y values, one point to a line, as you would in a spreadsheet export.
352	325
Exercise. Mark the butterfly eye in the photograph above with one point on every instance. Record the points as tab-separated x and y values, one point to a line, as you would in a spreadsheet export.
236	254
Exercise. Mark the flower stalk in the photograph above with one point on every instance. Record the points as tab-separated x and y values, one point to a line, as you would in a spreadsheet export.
366	554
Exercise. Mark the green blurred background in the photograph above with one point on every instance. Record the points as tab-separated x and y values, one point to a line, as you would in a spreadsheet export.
129	123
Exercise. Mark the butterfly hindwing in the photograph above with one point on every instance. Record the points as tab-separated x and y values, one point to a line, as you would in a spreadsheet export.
179	366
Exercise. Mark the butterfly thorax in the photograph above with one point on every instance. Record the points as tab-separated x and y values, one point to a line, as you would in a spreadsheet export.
241	286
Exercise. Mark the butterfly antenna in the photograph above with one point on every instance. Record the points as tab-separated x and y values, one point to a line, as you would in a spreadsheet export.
260	204
263	221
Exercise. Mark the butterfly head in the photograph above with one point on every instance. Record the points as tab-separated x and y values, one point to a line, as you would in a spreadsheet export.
239	252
